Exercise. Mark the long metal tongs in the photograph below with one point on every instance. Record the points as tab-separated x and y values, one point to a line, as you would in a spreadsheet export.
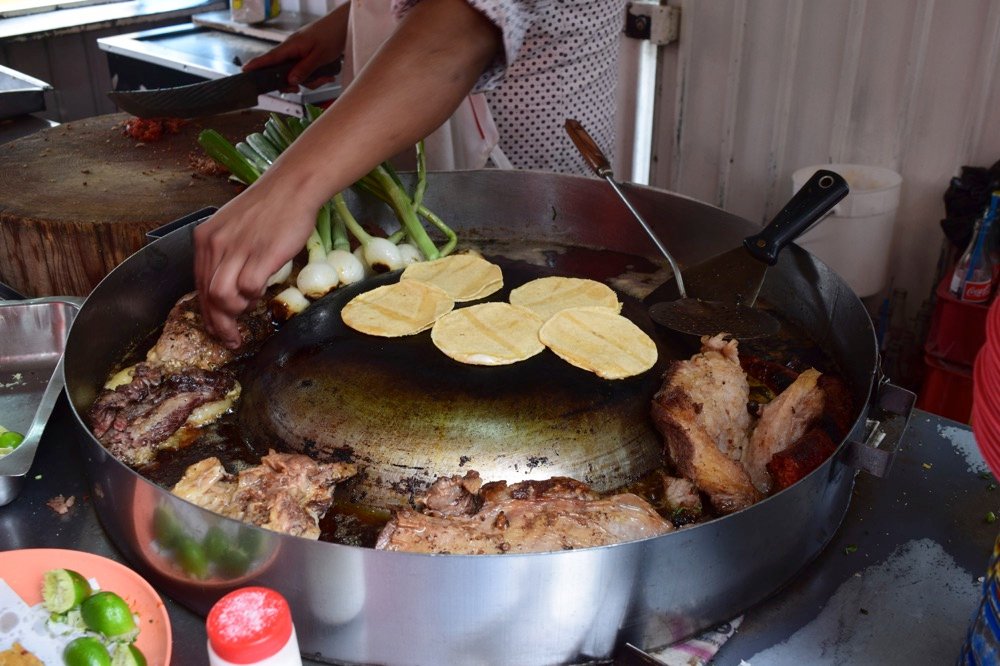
692	316
596	160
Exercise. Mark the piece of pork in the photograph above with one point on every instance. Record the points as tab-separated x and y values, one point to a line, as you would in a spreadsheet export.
527	517
287	492
818	442
184	341
701	411
681	500
782	421
452	495
136	418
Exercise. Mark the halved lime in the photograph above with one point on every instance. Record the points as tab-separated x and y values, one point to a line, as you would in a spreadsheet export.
127	655
86	651
108	614
63	589
10	439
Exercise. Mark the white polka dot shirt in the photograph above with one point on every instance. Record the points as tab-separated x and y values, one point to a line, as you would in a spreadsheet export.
560	61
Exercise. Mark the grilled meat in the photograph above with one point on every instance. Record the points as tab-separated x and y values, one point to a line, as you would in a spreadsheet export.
136	418
557	487
527	517
804	455
184	341
820	441
782	421
286	493
701	411
681	500
453	495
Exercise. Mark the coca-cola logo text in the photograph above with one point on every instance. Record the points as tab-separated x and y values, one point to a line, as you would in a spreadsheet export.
977	292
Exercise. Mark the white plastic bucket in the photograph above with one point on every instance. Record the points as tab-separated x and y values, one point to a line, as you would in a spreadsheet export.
854	239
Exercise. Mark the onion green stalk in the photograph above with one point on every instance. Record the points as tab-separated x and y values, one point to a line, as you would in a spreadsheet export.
330	259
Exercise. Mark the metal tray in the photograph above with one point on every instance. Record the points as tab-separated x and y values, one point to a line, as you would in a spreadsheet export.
20	93
32	338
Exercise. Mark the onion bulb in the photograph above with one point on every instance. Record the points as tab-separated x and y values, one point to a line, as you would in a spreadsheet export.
382	255
349	268
409	254
316	279
288	303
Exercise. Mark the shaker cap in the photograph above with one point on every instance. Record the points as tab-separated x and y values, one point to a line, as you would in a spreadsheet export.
249	625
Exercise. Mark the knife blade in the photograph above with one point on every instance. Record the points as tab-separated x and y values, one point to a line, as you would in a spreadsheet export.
229	93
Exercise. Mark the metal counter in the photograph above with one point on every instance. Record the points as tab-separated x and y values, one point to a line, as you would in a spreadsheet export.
897	584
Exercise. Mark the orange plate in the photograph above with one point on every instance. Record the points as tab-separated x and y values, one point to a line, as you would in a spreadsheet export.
23	570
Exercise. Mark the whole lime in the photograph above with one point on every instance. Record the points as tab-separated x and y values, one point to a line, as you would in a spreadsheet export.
86	651
108	614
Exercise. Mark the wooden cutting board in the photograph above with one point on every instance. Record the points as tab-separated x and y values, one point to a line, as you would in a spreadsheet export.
77	199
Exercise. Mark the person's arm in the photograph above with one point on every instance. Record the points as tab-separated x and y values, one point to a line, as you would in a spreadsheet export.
409	88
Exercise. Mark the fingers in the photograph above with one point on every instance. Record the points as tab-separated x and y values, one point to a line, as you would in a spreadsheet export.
278	54
217	271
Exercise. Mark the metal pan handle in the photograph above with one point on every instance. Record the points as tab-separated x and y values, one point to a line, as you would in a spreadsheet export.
888	418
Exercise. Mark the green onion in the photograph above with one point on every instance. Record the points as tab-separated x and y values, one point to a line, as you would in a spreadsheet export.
223	152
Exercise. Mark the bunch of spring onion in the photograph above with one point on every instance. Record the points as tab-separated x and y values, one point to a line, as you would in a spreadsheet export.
331	262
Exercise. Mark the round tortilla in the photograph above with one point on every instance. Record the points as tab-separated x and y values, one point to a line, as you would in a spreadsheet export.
548	295
488	334
466	277
599	340
395	310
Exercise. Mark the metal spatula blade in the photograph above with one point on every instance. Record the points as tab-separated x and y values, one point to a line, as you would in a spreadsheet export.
733	280
697	316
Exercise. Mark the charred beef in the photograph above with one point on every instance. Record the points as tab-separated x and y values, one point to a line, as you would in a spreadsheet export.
133	419
185	343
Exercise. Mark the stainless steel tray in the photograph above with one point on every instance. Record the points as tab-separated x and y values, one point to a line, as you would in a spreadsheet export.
20	93
32	338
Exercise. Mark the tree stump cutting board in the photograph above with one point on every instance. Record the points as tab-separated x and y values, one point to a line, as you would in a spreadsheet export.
77	199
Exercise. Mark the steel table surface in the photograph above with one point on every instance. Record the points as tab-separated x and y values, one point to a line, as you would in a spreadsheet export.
897	584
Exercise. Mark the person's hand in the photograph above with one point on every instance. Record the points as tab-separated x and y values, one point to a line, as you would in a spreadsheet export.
242	245
317	44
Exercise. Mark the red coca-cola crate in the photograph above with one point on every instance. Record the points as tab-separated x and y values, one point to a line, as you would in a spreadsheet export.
946	389
958	328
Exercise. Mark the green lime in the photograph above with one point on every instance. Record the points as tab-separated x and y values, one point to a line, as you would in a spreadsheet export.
10	440
215	543
86	651
127	655
191	557
63	589
234	562
109	615
166	527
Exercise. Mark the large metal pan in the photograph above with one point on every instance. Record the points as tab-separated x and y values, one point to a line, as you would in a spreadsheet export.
355	605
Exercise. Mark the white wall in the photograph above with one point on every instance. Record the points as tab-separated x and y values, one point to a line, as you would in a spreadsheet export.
756	89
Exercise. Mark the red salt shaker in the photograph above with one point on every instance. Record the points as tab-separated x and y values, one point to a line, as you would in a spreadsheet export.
252	625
